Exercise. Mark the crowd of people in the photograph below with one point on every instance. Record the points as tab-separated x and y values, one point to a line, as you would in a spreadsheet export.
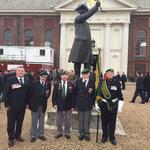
21	91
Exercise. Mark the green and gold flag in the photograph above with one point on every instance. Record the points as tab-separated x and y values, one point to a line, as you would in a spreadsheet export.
98	78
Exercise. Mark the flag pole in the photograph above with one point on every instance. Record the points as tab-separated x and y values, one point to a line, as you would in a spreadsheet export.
97	127
98	112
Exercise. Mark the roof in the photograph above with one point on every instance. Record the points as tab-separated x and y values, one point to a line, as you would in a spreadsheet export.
50	4
143	4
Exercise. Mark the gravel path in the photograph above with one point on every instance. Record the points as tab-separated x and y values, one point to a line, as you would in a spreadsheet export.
135	119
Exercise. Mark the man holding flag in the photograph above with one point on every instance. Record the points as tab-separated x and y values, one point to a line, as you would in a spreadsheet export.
109	101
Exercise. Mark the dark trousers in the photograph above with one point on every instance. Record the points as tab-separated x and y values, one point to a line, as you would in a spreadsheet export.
137	93
14	123
147	95
108	124
123	85
77	68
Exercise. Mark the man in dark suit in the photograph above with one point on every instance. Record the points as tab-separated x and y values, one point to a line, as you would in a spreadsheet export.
63	102
16	99
139	89
123	80
85	100
146	84
81	51
110	102
1	86
39	93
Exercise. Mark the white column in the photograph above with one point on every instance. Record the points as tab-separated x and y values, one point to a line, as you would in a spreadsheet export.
107	46
125	40
62	56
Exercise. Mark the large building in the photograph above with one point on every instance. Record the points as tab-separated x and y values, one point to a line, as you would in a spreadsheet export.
122	32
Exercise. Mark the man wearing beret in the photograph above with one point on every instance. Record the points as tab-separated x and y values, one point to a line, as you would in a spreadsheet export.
63	102
39	93
85	100
81	51
16	99
110	102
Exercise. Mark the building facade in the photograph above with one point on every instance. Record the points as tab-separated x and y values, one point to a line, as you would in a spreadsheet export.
122	33
24	23
110	30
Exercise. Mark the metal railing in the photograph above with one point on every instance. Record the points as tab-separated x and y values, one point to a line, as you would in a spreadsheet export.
12	57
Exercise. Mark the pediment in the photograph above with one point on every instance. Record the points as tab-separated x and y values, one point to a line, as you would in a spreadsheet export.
106	4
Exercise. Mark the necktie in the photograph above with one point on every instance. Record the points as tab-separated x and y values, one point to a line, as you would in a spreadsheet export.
42	87
63	90
21	81
85	83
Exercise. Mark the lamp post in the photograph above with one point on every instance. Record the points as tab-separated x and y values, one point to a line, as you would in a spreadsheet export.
93	43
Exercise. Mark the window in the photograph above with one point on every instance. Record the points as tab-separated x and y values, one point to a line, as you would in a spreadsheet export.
42	52
140	68
1	51
48	38
141	43
28	37
8	37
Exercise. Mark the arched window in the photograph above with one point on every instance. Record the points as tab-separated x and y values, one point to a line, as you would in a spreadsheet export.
141	43
8	37
48	38
28	37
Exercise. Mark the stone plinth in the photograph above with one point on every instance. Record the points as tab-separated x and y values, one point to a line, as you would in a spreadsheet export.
51	115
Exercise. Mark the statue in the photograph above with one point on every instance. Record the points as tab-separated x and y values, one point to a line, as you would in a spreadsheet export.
81	51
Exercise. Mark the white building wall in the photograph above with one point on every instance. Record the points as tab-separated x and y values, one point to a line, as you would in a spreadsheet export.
27	54
110	30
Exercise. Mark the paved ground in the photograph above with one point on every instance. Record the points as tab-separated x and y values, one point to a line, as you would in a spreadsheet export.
135	119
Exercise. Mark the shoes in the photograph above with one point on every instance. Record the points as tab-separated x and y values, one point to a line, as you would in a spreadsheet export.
20	139
131	102
142	102
43	138
87	138
11	143
68	136
32	140
58	136
113	142
103	140
81	137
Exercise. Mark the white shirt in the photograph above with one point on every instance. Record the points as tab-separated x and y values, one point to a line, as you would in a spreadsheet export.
20	78
86	82
42	82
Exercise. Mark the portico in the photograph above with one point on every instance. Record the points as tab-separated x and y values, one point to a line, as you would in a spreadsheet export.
110	30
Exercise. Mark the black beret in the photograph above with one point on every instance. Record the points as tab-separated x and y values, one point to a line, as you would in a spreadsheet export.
82	6
43	73
110	69
85	71
64	73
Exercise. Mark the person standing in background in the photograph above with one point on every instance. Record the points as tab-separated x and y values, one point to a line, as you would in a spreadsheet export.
139	89
123	80
146	84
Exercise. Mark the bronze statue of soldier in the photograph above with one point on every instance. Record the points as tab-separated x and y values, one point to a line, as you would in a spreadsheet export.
81	51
